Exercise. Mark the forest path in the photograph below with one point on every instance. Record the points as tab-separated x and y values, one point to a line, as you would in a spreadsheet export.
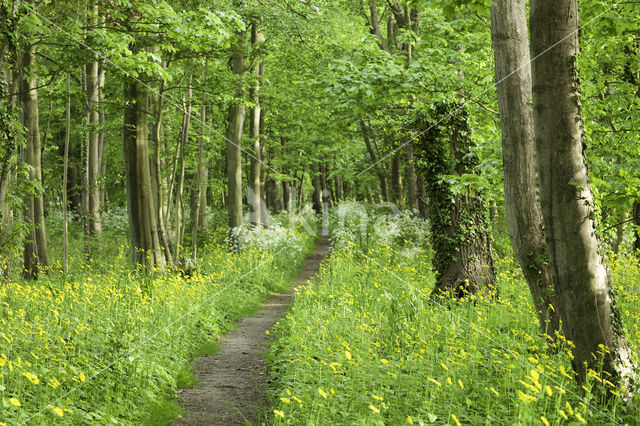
232	383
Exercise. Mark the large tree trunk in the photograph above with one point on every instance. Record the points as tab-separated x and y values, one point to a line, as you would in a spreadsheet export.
460	234
582	279
522	201
234	138
36	255
145	242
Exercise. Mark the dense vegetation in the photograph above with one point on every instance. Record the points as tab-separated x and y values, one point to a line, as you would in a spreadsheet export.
163	166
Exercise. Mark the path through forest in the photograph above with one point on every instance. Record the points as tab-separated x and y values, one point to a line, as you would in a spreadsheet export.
232	383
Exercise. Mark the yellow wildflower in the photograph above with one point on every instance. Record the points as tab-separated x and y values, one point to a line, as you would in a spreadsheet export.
455	420
278	413
14	402
374	409
322	393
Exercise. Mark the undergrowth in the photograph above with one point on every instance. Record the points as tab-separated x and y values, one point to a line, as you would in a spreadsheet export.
365	344
105	344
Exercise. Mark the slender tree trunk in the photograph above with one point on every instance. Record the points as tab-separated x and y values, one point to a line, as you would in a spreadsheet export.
410	177
94	224
234	138
184	138
160	188
581	278
286	185
396	181
65	207
199	178
36	254
254	132
522	201
317	188
617	244
374	160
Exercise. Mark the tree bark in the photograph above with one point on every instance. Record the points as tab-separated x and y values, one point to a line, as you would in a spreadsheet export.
234	138
460	234
374	160
410	177
184	138
254	132
317	188
582	280
36	255
65	207
396	181
521	195
145	242
94	224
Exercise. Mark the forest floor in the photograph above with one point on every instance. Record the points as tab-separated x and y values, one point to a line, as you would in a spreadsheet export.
231	387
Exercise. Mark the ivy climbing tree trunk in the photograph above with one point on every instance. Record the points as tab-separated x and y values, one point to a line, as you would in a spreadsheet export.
582	280
521	196
460	235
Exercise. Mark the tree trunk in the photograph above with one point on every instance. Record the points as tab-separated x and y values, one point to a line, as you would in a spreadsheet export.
254	132
36	255
522	201
145	243
195	217
396	181
582	280
234	138
374	160
460	234
410	177
94	224
636	228
65	207
317	188
184	138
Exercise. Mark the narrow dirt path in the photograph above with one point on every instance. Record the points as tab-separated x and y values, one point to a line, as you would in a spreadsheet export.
232	383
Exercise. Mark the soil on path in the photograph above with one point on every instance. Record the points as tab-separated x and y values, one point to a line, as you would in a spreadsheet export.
232	383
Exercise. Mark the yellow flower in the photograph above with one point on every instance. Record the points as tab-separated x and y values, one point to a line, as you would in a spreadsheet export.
409	420
285	400
455	420
347	355
32	378
580	418
14	402
322	393
374	409
460	383
544	420
377	398
278	413
57	410
492	389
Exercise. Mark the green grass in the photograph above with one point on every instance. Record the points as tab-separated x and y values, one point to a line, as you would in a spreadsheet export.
365	345
104	344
